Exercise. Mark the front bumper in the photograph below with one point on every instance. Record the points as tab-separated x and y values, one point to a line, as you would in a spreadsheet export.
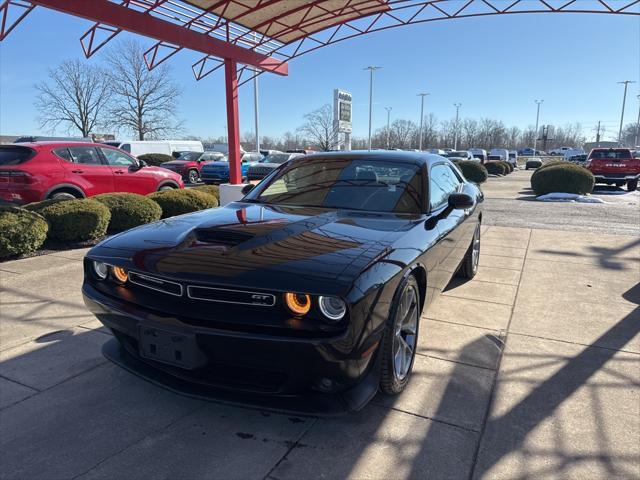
306	376
213	177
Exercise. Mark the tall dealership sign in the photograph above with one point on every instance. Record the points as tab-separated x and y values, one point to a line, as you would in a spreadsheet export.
342	119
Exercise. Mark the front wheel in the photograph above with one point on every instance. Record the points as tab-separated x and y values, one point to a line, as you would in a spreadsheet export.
469	266
632	185
164	188
400	338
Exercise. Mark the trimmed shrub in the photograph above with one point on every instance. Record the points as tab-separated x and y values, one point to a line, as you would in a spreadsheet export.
37	206
129	210
495	168
473	171
76	220
566	178
552	163
210	189
508	168
21	231
180	201
155	159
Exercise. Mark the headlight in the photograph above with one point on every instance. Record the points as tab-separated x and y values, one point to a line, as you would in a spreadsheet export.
332	307
100	269
298	303
120	274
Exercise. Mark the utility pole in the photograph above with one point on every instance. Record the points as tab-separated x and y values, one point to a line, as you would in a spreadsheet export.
388	109
371	70
535	137
421	117
624	101
455	133
598	135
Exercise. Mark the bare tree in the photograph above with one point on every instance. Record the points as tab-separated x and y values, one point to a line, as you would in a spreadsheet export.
75	96
319	128
143	101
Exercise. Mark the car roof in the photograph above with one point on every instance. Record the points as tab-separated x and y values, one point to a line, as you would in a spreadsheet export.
418	158
60	143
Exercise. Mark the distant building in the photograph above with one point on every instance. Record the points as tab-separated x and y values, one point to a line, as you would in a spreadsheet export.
591	145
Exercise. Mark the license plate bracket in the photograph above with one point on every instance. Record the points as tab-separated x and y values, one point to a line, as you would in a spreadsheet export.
177	349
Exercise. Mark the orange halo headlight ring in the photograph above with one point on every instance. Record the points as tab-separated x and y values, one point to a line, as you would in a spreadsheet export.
298	303
119	274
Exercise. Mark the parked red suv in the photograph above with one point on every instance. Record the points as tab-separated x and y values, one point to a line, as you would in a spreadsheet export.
614	166
30	172
189	164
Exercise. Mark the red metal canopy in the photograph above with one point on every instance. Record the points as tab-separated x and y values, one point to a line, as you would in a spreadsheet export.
263	35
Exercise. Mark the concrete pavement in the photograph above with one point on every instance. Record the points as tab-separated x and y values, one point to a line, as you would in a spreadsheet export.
530	370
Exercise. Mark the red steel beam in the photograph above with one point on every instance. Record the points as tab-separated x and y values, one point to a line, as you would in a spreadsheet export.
233	123
131	20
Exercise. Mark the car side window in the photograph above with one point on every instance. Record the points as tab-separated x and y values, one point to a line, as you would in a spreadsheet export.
443	181
118	159
63	153
85	155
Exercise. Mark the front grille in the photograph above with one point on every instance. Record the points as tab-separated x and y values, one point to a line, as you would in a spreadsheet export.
154	283
223	295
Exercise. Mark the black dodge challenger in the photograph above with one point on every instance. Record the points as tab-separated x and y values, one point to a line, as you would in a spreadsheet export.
304	296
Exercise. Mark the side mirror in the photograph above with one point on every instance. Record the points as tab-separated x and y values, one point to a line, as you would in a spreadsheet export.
142	163
460	201
247	188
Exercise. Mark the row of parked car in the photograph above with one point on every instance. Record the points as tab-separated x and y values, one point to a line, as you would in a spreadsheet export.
478	155
31	171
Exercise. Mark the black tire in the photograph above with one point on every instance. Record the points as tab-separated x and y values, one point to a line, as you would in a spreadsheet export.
632	185
469	267
396	371
193	176
63	195
167	186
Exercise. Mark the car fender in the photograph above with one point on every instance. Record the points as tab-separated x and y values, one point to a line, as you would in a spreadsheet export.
69	186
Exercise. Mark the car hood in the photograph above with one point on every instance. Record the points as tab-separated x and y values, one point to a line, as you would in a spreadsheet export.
176	163
314	250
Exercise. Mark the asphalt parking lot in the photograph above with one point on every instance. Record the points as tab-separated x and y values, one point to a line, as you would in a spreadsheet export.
530	370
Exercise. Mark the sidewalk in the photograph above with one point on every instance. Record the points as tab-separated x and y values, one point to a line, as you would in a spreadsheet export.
530	370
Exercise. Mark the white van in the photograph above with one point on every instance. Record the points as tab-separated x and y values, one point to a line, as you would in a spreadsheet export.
140	147
479	153
513	157
503	153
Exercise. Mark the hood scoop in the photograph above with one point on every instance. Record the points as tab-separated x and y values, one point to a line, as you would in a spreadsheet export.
220	236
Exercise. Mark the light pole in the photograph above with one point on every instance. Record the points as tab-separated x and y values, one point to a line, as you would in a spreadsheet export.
421	116
455	133
624	101
535	136
371	70
255	100
388	109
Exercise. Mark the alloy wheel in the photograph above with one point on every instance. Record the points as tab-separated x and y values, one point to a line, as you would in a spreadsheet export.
475	250
404	341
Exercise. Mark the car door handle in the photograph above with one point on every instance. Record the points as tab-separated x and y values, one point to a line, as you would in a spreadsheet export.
119	172
77	171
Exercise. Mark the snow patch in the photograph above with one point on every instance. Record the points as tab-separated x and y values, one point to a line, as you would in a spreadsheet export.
568	197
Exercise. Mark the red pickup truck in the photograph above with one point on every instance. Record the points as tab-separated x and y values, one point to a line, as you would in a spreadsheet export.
614	166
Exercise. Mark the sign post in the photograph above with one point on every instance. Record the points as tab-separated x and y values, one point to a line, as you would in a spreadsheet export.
342	119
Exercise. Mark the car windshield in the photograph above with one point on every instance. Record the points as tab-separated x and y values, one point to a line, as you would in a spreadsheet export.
276	158
345	183
610	154
457	154
188	156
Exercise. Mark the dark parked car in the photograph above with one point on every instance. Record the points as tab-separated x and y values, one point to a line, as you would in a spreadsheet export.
30	172
218	171
533	162
189	164
305	295
264	167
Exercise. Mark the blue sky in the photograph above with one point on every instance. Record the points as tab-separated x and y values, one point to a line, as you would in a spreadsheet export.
494	66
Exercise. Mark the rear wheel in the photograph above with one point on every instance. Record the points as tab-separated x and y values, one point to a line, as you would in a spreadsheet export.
400	338
632	185
63	195
193	176
164	188
469	266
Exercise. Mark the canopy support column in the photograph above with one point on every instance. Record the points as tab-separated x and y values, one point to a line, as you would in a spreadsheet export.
233	123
